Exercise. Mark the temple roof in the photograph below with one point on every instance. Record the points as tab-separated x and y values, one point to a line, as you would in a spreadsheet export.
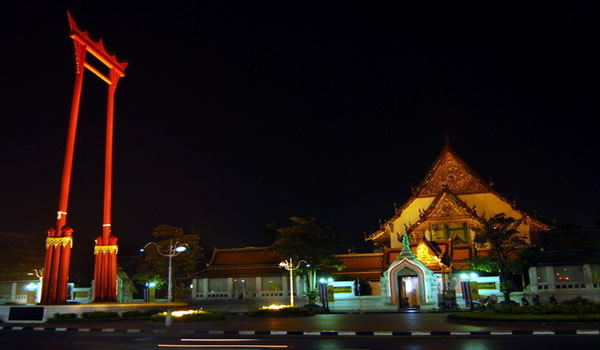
445	206
240	256
448	172
242	262
367	265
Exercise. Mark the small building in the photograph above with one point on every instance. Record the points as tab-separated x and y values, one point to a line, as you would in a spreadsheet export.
566	267
242	273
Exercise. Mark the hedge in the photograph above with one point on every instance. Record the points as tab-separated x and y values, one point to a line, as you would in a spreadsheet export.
292	311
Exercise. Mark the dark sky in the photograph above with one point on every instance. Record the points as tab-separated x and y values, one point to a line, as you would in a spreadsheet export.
232	117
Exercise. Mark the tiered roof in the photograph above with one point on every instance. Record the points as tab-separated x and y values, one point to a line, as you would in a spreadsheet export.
449	176
242	262
445	205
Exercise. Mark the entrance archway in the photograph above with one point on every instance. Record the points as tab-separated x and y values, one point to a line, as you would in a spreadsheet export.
408	292
407	283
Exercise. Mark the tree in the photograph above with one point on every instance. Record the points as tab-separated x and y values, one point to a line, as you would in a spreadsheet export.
500	232
269	233
183	264
307	240
149	278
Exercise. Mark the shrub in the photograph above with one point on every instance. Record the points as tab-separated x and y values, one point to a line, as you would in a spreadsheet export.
69	317
134	315
100	316
290	311
494	316
576	306
139	315
203	316
577	301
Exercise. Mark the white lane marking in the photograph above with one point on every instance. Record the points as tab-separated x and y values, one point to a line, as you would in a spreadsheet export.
133	330
246	332
421	333
460	333
216	332
501	333
543	332
587	332
108	329
312	333
278	332
61	329
216	339
39	328
346	333
385	333
85	329
221	346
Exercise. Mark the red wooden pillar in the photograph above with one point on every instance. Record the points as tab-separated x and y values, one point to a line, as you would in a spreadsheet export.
105	270
50	293
64	264
48	267
105	288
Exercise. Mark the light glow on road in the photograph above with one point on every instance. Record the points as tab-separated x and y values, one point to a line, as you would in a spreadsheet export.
221	346
214	339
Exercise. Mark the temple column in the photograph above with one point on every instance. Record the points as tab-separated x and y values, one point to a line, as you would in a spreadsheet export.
230	287
205	287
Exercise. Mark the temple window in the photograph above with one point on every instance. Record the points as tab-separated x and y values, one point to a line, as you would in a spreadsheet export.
541	274
458	232
568	273
216	285
595	274
271	283
244	284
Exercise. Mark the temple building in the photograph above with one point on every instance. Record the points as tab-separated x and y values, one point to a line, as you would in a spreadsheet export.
440	219
422	251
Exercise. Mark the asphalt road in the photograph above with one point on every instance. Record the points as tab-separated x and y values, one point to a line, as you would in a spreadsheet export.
97	341
336	322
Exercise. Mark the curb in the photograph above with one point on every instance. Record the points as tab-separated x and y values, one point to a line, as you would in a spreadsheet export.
309	333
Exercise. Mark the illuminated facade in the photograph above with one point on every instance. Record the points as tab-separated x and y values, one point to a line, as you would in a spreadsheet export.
439	221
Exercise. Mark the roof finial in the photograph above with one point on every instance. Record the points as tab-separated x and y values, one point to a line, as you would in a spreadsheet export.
446	140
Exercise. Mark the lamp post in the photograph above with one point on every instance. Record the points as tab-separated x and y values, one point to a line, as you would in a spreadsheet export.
289	265
323	292
173	250
40	275
466	287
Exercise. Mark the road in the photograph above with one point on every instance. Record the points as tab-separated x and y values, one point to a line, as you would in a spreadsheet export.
97	341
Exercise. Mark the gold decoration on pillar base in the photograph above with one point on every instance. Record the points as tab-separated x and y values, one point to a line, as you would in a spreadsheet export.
59	241
110	249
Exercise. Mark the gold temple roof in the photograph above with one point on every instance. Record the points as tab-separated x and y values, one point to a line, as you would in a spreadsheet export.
448	172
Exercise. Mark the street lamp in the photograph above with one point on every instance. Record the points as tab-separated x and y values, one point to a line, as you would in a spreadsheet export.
40	275
466	287
173	250
323	292
289	265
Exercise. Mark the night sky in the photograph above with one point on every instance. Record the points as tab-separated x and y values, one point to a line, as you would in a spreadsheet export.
231	117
